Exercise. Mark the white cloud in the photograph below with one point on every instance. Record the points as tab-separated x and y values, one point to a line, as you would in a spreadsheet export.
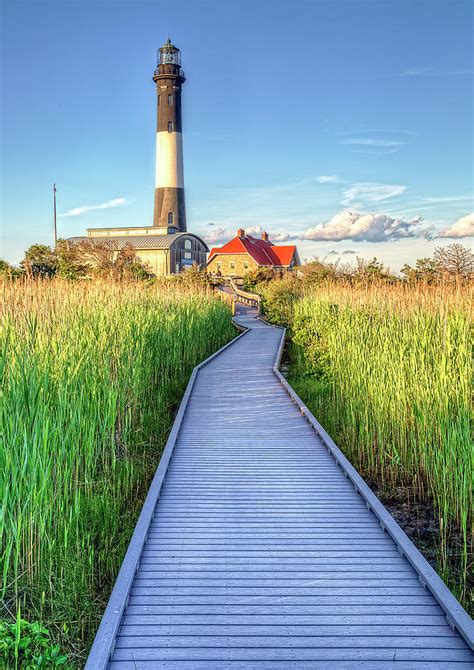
221	234
280	237
77	211
434	72
217	236
348	225
327	179
370	192
463	227
371	142
256	231
345	252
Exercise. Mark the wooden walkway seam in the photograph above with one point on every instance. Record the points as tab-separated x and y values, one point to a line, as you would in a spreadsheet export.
260	546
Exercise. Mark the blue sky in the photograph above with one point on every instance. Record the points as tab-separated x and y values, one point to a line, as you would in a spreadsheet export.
336	123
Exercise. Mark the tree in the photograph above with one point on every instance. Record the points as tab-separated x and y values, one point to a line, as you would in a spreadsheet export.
70	262
260	275
105	259
455	260
426	270
372	271
318	271
8	271
40	261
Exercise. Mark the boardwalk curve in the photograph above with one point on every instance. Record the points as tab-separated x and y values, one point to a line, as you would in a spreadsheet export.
259	546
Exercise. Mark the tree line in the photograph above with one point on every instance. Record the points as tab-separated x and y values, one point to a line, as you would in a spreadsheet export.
89	258
452	263
78	260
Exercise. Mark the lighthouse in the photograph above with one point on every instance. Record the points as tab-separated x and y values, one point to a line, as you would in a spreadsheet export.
166	247
169	211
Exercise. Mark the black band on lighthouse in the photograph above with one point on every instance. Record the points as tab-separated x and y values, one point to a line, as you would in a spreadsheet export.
170	208
169	106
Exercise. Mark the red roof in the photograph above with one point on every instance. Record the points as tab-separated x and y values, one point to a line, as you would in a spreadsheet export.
262	251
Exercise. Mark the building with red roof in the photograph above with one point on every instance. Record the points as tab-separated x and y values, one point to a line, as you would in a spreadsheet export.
245	253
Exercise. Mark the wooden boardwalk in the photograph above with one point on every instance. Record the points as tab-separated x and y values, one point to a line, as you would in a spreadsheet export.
259	551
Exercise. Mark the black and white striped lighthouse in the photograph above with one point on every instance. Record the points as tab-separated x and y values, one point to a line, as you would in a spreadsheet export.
170	211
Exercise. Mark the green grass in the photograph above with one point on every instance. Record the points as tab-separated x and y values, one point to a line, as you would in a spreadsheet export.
91	377
387	372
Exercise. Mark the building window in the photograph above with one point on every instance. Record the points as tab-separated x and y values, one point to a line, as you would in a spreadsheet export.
188	244
170	126
232	265
170	100
187	255
177	268
170	218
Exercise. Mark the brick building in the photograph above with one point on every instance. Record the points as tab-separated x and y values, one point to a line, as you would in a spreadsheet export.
245	253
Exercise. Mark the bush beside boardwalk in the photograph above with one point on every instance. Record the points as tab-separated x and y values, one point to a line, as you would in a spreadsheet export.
92	374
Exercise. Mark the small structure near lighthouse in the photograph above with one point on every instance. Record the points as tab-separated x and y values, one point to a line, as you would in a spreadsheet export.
165	247
245	253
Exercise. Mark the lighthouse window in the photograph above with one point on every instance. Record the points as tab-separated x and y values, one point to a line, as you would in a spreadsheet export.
159	100
170	217
170	126
170	100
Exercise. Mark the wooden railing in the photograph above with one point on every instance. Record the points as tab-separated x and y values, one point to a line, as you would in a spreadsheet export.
229	298
251	299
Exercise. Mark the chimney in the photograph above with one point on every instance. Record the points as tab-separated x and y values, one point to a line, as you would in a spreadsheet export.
241	232
265	236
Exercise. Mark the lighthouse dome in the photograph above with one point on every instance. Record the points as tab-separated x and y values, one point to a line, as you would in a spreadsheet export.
169	53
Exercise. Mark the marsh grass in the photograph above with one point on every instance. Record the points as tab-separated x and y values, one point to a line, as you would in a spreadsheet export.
387	371
91	376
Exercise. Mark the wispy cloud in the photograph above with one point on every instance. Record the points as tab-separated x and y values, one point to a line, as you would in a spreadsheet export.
451	198
434	72
109	204
327	179
372	142
430	203
372	131
375	153
463	227
369	192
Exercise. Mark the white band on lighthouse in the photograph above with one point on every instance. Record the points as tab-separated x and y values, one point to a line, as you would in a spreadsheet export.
169	160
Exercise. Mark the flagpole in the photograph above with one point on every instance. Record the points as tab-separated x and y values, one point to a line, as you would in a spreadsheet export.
54	210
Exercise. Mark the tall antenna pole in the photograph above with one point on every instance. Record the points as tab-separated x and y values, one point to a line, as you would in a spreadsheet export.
54	210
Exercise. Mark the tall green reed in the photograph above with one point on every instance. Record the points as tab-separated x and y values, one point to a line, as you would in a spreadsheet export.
387	371
91	374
